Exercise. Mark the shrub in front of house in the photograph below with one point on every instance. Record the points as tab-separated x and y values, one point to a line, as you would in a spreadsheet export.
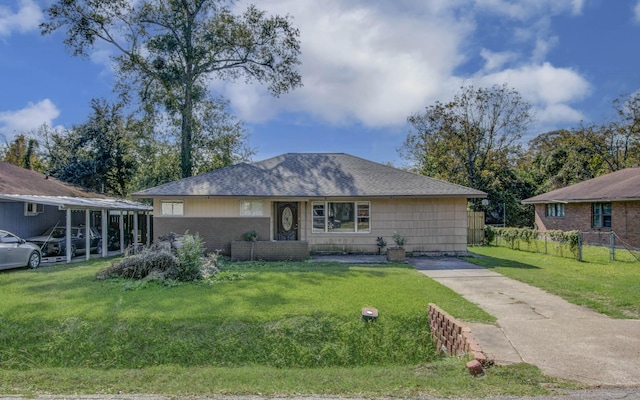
191	257
184	263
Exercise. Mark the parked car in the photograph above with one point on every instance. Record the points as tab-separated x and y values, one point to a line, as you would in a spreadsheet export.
16	252
53	242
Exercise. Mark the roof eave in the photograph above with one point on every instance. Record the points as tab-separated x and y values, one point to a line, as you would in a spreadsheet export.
302	195
593	200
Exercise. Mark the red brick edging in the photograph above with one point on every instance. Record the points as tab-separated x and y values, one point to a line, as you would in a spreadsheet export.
452	337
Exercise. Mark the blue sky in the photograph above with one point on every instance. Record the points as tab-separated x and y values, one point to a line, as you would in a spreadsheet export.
366	66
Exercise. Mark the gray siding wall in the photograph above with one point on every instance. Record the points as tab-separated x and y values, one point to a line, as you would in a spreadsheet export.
12	219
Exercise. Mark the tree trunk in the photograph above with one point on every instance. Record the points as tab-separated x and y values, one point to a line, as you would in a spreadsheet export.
186	163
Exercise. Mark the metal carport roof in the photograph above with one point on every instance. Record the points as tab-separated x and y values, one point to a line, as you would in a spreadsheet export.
80	203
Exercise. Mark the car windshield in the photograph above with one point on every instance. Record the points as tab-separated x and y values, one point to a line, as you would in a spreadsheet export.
60	232
6	237
55	232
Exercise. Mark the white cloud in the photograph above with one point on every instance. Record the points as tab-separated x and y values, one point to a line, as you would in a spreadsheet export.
496	61
528	9
636	12
372	66
551	90
364	64
28	118
25	19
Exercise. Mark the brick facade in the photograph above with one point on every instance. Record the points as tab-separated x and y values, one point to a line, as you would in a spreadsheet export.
217	233
625	222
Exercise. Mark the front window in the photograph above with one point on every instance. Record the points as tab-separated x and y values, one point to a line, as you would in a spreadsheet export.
554	210
341	216
601	215
251	208
172	208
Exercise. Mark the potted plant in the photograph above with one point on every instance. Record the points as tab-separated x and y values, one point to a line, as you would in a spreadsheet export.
251	237
381	243
397	253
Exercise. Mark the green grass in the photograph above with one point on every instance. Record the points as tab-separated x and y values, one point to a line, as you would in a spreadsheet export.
270	328
610	287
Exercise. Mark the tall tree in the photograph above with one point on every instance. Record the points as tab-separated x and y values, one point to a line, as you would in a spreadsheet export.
560	158
97	154
171	49
618	143
23	152
219	141
471	140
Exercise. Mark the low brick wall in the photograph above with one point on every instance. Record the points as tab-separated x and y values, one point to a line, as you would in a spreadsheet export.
452	336
270	250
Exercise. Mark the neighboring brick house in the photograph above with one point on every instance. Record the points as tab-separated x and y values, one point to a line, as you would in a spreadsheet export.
315	201
599	206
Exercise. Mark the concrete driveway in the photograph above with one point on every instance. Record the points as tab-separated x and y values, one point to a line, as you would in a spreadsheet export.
562	339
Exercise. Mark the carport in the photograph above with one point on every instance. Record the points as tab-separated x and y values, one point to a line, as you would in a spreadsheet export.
105	206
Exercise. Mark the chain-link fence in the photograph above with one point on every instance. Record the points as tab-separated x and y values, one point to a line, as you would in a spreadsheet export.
600	247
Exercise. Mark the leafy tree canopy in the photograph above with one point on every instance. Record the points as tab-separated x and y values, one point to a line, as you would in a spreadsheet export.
471	140
170	50
97	154
23	152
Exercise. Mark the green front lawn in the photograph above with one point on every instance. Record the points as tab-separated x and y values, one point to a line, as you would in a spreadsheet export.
270	328
612	288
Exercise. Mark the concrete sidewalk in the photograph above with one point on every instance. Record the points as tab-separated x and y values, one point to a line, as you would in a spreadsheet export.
562	339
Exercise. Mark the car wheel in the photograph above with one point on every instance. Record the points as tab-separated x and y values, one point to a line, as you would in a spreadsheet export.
73	250
34	259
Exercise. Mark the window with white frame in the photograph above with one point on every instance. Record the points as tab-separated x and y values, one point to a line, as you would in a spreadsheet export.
554	210
251	208
31	209
172	207
601	215
341	216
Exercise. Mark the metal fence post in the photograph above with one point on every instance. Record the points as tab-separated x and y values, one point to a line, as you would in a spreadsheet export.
579	246
612	248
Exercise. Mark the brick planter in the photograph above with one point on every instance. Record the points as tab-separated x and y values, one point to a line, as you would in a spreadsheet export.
396	254
270	250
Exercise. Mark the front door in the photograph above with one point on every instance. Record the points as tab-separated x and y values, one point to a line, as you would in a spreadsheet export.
287	221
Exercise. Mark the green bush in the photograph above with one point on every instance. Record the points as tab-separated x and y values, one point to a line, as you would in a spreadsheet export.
187	264
489	234
514	236
398	239
191	256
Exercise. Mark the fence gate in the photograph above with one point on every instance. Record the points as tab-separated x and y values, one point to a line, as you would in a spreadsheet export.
475	228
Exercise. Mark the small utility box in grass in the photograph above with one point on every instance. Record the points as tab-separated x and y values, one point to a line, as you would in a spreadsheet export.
369	313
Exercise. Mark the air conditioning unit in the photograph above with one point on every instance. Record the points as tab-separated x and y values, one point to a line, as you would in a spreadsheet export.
31	209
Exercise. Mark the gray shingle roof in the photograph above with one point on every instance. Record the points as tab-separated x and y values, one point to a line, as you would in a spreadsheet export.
310	175
623	185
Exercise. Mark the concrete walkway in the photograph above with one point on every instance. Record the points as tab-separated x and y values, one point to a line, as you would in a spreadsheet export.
562	339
